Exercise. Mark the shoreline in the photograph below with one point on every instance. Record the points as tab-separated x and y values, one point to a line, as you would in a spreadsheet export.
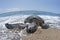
44	34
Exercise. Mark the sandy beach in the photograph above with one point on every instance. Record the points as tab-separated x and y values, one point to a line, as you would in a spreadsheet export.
44	34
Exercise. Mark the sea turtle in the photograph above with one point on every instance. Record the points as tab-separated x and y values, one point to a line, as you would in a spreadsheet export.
31	24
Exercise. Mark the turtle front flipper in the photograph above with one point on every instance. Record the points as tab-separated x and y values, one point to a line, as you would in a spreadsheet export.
17	25
45	26
9	26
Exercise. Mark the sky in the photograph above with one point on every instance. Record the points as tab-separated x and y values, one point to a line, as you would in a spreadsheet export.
40	5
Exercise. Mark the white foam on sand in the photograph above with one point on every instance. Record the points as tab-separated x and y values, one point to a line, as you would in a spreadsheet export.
5	34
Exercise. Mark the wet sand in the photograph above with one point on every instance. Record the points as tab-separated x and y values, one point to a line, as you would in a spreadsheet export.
44	34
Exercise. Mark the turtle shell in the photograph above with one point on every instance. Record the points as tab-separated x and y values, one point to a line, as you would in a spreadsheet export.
38	20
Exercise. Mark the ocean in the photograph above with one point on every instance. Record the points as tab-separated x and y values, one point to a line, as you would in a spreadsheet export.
5	34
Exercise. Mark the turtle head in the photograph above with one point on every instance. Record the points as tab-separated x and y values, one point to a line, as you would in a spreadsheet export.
31	28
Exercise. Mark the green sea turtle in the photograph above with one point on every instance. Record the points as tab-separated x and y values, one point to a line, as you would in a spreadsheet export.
31	24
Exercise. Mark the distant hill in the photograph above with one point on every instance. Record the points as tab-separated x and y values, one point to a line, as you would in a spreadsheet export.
28	12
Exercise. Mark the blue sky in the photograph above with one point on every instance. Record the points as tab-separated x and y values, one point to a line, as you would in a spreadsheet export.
41	5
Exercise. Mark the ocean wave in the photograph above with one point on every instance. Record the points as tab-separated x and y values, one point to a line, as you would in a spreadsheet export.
5	34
